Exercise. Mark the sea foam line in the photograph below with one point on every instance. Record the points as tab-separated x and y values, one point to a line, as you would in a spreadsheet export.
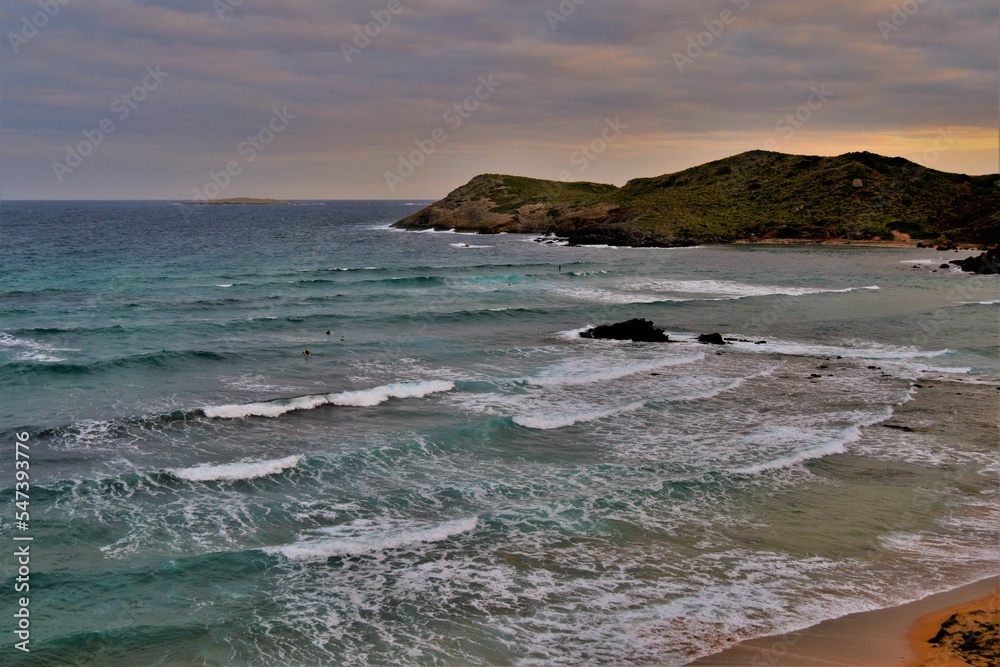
729	289
570	374
363	398
235	471
363	538
561	420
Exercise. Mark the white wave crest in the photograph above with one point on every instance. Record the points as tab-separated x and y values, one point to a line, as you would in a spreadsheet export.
235	471
730	289
582	371
363	398
561	420
366	537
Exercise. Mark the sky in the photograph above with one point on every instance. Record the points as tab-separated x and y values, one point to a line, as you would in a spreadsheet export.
408	99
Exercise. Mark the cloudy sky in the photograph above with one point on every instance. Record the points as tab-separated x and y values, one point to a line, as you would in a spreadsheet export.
356	99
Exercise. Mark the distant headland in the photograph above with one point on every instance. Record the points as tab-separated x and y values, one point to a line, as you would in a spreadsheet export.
759	196
244	201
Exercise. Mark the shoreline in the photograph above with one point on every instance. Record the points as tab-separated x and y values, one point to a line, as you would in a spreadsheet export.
898	635
859	243
879	638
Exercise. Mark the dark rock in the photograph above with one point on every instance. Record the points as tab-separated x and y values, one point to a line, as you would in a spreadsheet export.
815	375
945	266
744	340
712	339
824	366
899	427
638	330
988	263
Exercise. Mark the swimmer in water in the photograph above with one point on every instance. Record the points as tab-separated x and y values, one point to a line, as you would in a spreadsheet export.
341	339
327	332
306	353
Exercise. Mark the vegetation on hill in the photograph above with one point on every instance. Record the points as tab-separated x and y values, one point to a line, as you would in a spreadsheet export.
755	195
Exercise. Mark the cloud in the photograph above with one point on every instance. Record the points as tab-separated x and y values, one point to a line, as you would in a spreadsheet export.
561	79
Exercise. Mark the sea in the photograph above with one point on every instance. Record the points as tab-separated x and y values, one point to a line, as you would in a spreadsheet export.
452	475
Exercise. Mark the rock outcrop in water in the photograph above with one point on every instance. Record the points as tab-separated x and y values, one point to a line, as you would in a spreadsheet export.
754	196
986	263
637	330
712	339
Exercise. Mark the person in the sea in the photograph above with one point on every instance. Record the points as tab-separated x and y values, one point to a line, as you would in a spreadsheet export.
341	339
306	353
327	332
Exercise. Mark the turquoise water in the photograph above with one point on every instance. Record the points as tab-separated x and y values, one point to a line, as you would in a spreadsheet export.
453	476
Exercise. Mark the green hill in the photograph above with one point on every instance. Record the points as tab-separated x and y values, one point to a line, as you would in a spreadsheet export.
755	195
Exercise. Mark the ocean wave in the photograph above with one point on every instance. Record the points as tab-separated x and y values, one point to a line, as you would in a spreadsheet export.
835	445
730	289
162	359
28	350
995	302
576	372
361	398
361	538
864	350
564	419
466	245
235	471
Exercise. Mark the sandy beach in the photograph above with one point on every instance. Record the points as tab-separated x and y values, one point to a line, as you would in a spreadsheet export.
893	636
899	635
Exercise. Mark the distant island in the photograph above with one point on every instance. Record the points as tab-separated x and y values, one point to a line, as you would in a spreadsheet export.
758	196
243	201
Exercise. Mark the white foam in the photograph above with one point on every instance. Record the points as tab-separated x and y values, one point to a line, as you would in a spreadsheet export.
32	350
837	445
866	350
735	290
561	420
235	471
599	295
582	371
980	303
225	285
362	398
365	537
466	245
922	261
371	397
574	334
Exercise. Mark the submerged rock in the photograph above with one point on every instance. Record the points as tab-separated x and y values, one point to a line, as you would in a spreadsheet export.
638	330
986	263
712	339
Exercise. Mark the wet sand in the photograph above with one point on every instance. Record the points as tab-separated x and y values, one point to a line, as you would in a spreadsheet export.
899	635
879	638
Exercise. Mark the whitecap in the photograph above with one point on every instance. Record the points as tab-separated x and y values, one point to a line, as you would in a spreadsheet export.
361	398
366	537
235	471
